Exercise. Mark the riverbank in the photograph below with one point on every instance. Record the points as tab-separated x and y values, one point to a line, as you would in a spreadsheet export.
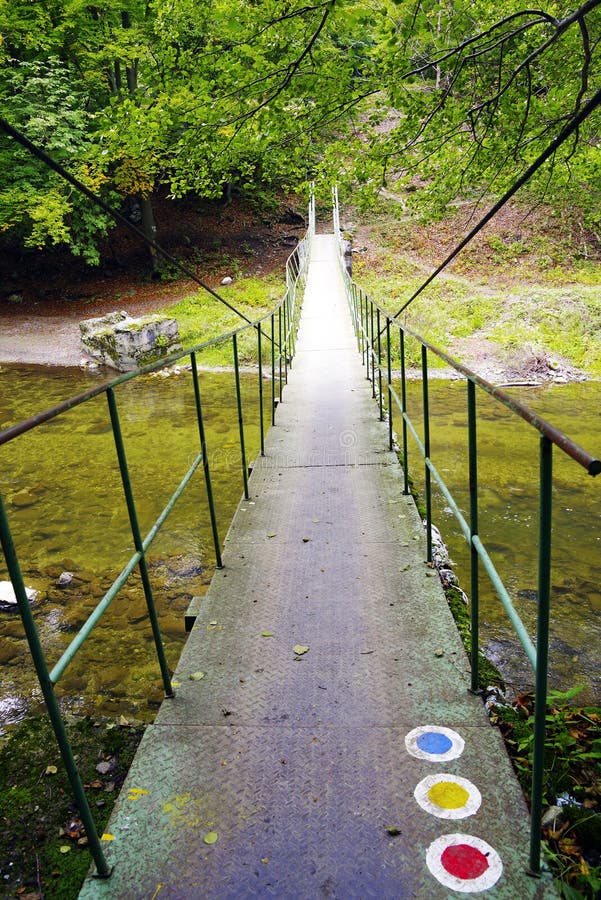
36	334
39	337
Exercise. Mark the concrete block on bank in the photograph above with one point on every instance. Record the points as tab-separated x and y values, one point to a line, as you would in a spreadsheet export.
125	343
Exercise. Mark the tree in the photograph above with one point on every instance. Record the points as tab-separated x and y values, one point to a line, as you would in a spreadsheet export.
202	95
482	96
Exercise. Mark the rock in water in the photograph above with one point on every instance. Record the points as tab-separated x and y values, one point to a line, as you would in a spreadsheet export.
65	578
8	599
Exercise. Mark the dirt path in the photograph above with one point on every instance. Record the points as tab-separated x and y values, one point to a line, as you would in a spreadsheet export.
45	335
52	341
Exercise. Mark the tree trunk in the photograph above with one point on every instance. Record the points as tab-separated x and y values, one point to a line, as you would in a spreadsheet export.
150	230
148	222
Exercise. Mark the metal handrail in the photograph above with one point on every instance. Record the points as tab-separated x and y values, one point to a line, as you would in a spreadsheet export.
287	313
363	312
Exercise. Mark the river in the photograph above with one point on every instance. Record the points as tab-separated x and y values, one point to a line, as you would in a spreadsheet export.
508	519
64	496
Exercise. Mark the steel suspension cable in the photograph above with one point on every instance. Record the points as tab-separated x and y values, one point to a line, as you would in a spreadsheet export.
565	133
117	216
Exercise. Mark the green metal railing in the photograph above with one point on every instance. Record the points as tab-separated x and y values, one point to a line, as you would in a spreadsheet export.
374	341
280	328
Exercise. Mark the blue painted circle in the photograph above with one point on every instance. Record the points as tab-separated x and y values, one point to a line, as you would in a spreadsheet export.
434	742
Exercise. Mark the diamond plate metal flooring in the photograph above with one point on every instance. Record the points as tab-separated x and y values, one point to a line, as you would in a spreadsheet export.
297	762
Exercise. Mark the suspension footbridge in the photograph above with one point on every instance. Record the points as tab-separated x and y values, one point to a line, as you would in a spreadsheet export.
322	740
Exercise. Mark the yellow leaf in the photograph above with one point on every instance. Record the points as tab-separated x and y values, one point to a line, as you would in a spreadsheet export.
299	649
211	837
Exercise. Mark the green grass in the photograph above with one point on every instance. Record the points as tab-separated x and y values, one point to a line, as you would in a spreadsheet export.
559	322
563	322
201	317
42	843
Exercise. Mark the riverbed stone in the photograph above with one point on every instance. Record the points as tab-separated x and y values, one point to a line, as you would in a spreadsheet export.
23	499
8	599
9	651
124	343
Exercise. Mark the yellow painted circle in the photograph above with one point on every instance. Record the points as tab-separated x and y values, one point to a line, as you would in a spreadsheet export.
448	795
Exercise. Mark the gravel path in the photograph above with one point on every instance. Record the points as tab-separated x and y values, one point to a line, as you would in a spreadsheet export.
48	335
47	341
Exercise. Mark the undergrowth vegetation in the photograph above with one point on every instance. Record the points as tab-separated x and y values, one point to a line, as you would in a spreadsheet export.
522	287
572	788
201	317
43	845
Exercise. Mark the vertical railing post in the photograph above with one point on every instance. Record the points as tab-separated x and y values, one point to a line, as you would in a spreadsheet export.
361	326
136	534
261	416
273	368
292	320
427	475
389	375
285	318
474	560
280	349
205	461
404	410
37	654
372	350
542	648
353	295
240	418
380	404
367	338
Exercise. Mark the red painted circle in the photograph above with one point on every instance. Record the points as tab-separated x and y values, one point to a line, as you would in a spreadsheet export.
464	861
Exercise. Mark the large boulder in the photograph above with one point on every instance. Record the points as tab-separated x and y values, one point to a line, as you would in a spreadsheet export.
125	344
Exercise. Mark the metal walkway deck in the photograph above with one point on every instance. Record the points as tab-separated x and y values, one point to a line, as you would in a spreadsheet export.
300	762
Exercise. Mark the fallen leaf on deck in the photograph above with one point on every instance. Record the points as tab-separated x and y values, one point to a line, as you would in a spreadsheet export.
211	837
267	634
196	676
299	649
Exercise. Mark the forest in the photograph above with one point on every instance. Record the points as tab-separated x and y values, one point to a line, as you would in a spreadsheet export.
114	111
440	101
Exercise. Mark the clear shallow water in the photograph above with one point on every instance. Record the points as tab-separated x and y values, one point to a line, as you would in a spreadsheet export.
65	501
64	496
508	518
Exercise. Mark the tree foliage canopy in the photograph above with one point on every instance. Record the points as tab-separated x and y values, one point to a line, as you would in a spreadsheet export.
443	96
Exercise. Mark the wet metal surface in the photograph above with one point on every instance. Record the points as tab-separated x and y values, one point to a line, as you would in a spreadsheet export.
296	759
